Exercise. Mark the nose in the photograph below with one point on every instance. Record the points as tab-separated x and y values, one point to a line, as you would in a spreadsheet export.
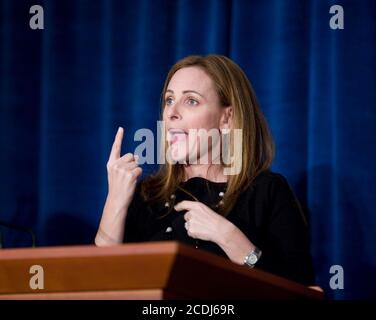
172	112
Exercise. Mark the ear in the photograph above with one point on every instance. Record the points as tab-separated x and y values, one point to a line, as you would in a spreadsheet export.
227	117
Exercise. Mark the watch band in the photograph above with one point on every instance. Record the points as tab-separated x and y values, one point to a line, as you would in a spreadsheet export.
252	258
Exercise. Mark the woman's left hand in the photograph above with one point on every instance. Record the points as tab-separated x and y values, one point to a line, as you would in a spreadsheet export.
203	223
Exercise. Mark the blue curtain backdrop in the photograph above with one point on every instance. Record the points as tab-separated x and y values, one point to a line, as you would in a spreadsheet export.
101	64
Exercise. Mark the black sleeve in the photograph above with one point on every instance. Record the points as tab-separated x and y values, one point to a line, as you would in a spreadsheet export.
134	232
286	249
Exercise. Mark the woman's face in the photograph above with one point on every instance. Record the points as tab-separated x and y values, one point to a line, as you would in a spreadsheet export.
190	102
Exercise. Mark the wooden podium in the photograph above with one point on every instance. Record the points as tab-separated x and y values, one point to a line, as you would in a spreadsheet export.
153	270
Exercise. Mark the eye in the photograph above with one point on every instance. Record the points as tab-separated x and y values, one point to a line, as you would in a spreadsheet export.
192	102
169	101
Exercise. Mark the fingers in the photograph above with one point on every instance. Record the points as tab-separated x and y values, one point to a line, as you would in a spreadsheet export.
188	216
132	175
116	152
137	172
185	205
128	161
116	147
124	165
128	158
130	171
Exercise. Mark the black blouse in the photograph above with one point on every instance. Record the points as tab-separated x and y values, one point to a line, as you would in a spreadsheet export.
268	213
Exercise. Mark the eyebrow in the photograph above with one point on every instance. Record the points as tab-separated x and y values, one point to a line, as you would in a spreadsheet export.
186	91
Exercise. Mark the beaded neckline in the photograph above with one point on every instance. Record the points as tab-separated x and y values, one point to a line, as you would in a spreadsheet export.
171	202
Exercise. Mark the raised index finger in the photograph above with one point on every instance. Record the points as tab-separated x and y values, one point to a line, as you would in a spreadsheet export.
116	147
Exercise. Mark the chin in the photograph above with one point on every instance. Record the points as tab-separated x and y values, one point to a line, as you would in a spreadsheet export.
177	155
181	153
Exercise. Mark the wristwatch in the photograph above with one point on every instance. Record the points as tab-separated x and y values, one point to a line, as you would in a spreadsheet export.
251	258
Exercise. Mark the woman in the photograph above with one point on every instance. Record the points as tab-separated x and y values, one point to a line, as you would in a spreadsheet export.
252	217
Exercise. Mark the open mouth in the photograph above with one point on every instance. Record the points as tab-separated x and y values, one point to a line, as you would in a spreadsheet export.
175	135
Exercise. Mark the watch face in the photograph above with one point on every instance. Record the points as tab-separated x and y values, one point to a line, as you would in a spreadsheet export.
252	259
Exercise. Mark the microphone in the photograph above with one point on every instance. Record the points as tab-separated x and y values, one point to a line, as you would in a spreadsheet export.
18	228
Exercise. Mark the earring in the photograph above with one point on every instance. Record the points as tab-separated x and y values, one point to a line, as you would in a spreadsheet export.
225	130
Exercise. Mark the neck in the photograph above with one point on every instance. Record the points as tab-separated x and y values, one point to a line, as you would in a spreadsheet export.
212	172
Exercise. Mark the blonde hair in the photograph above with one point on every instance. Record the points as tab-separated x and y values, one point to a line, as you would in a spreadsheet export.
233	89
